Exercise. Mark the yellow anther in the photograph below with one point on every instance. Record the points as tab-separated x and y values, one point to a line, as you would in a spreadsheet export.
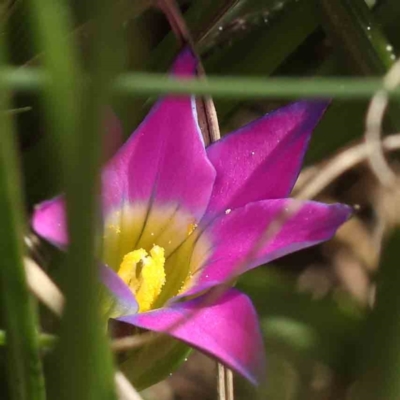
127	269
145	275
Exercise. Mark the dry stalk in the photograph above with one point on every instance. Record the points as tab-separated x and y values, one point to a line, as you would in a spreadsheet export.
342	162
125	390
374	118
43	287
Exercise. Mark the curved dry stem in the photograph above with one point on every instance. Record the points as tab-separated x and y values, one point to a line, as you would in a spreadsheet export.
374	118
125	390
341	163
378	163
43	287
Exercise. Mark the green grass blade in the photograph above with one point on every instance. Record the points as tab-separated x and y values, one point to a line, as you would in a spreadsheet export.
83	366
25	369
353	28
144	84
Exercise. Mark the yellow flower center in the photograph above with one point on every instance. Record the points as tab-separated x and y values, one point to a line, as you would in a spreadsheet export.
145	275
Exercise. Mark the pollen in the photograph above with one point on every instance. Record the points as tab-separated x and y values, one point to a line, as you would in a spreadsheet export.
186	284
191	228
144	273
114	228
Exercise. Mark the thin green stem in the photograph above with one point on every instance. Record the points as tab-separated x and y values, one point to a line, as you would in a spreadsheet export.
144	84
247	88
86	347
26	380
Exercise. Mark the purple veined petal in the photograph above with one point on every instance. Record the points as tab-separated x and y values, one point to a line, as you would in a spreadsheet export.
159	184
261	232
180	113
184	66
163	161
162	166
118	299
170	125
49	221
262	160
228	330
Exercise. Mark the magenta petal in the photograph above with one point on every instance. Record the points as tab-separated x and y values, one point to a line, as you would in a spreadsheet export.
262	160
119	300
164	162
241	242
49	221
185	64
228	330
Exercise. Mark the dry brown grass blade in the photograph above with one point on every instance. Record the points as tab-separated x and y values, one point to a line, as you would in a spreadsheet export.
339	164
125	390
374	118
222	383
225	383
44	288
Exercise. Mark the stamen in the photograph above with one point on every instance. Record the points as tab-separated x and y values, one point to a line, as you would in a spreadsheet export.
145	275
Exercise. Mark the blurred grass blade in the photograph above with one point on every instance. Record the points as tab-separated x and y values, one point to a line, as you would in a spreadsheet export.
387	14
88	347
350	116
83	367
258	52
251	88
358	35
25	370
144	84
380	351
352	26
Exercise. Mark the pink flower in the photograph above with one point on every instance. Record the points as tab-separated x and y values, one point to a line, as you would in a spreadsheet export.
180	219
